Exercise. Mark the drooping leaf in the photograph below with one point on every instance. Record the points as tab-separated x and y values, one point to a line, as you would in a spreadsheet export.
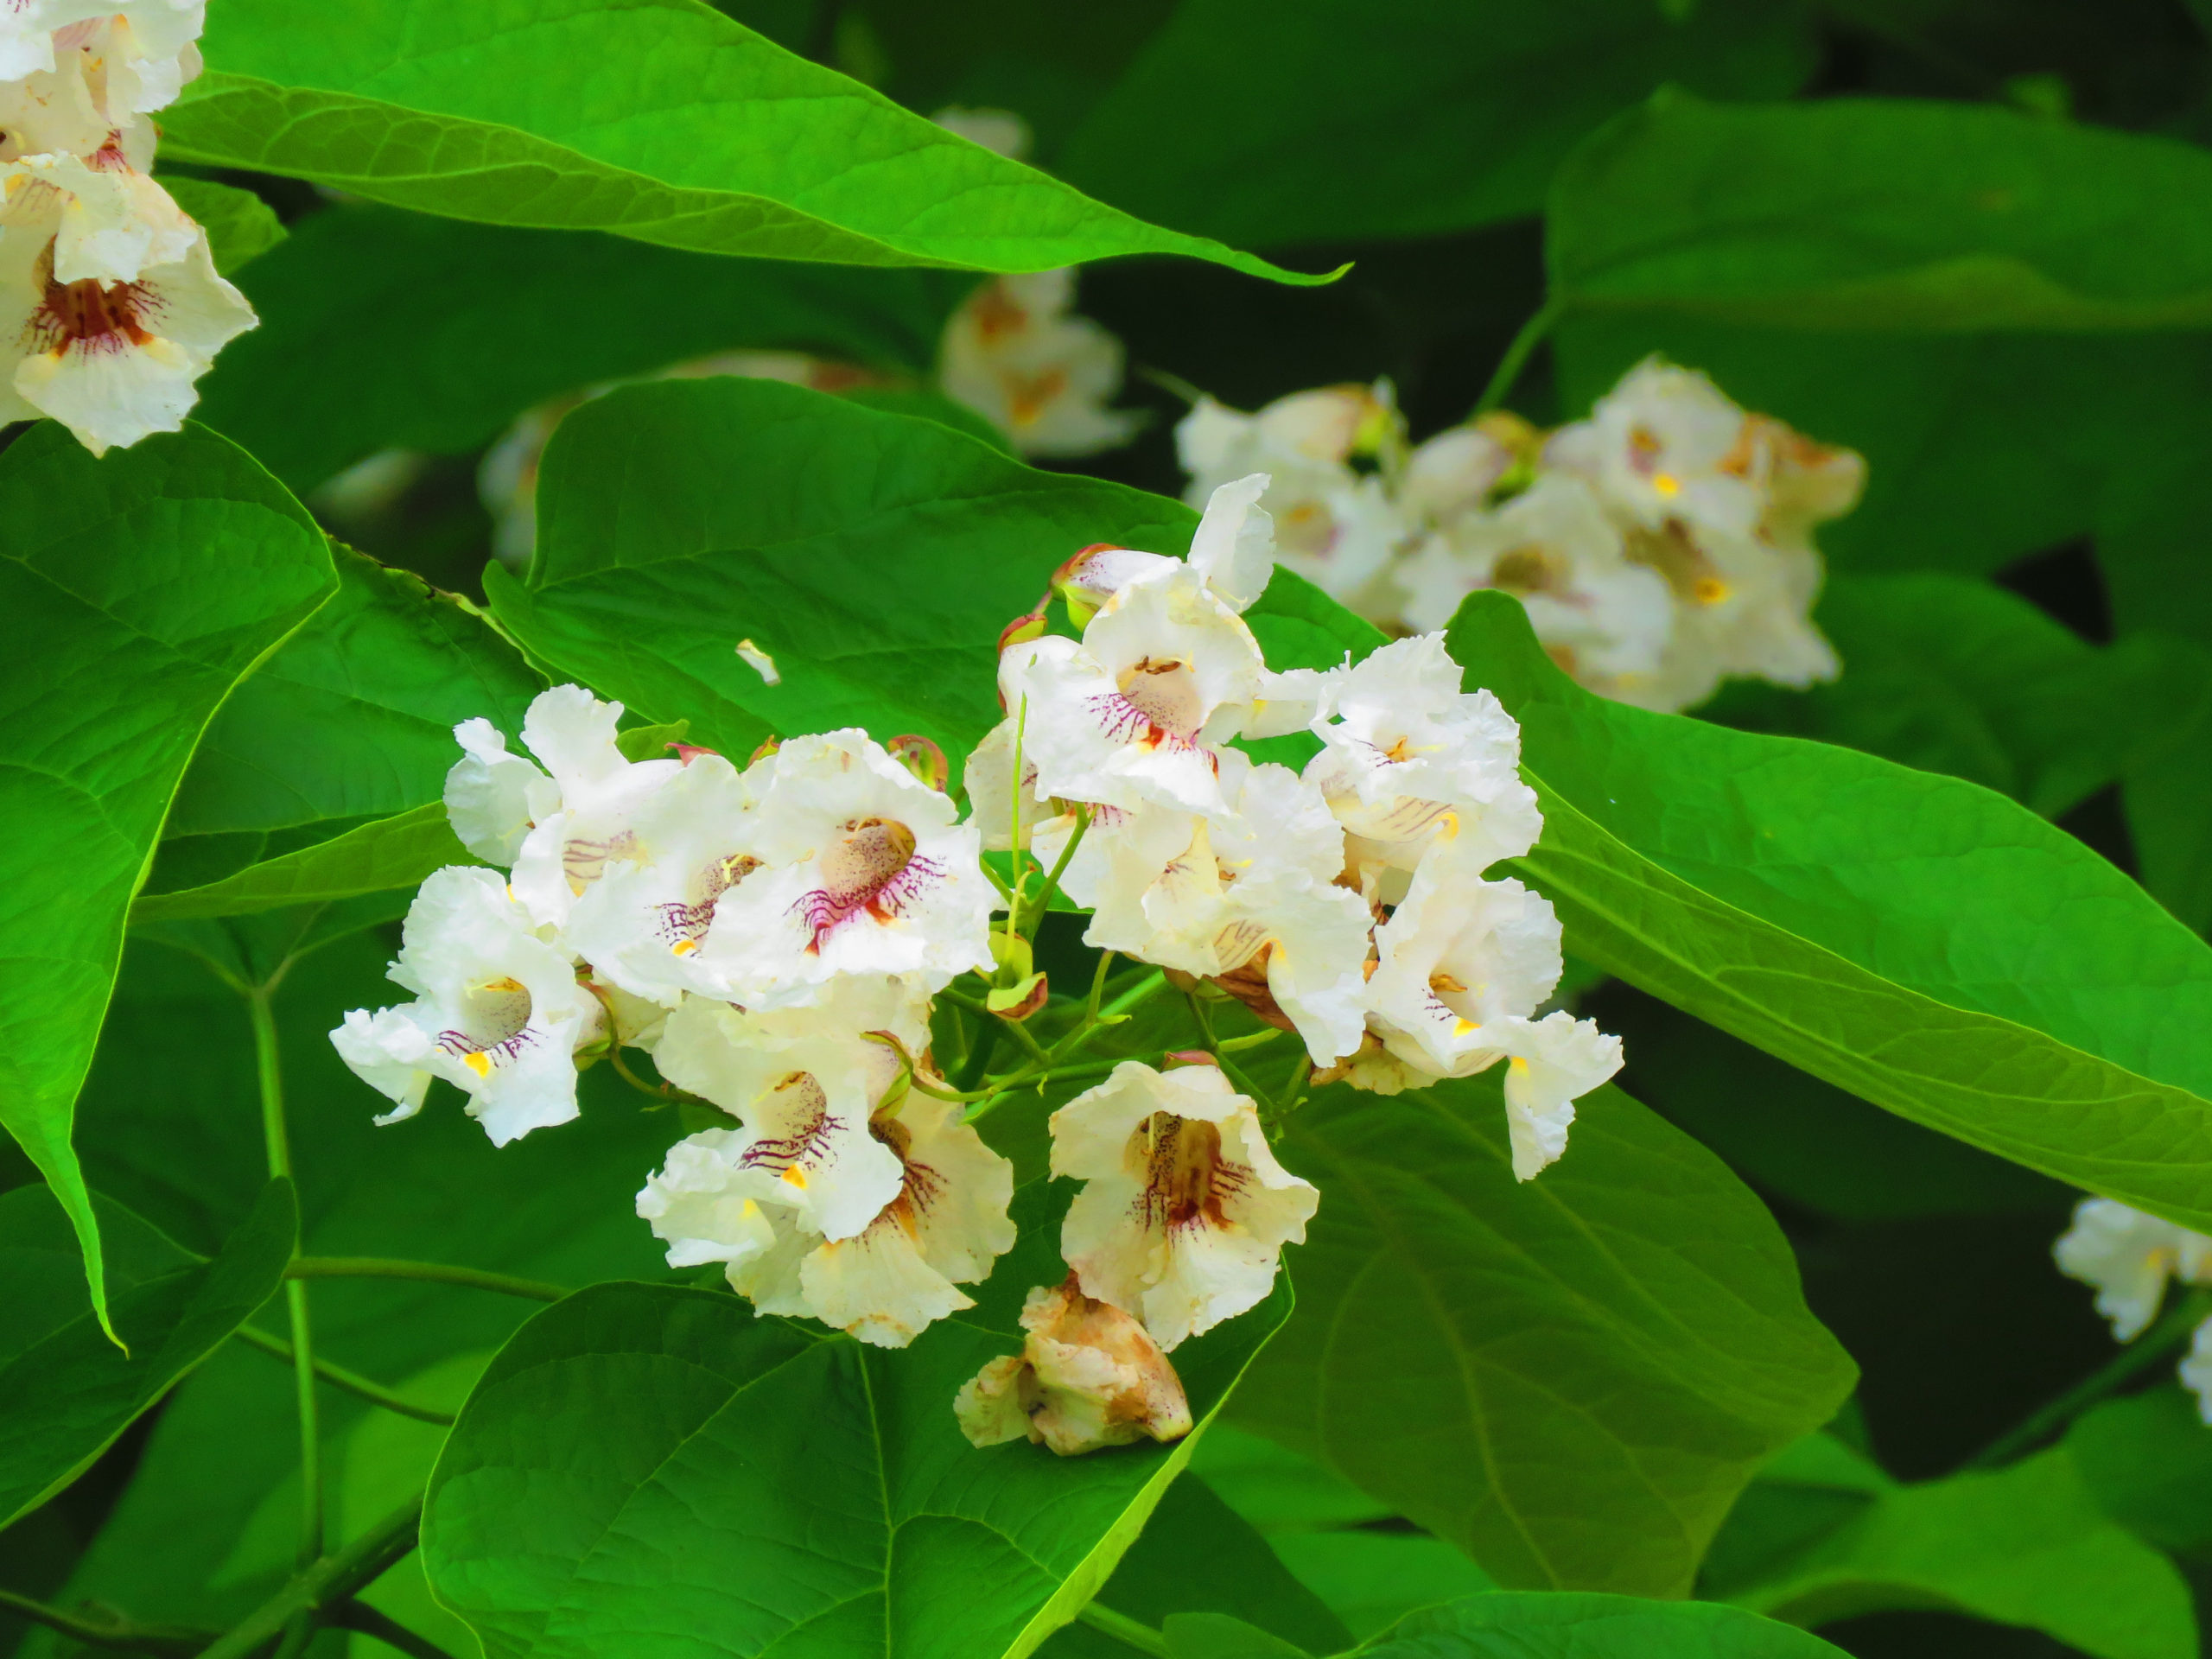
240	226
208	1526
713	138
812	1496
1196	1557
134	593
1792	1133
1900	216
1960	676
382	329
872	556
65	1390
1569	1378
320	778
1534	1626
2025	1545
1917	940
1449	118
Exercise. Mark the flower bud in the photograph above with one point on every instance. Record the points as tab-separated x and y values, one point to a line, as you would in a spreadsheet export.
923	759
1019	1000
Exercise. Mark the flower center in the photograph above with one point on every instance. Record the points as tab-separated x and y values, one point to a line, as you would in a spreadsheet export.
919	1187
1186	1179
684	923
495	1016
870	866
1028	395
583	861
801	1103
1160	705
1532	569
89	315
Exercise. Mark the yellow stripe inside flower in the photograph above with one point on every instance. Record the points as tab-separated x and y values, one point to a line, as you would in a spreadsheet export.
1667	484
481	1064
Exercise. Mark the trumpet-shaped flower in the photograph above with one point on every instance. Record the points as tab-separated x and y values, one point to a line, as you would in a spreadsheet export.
492	798
1232	551
1018	354
805	1082
1666	444
1184	1211
1252	887
146	45
1606	620
944	1224
593	820
865	871
498	1011
1088	1376
653	908
1452	473
112	361
110	222
1550	1063
1165	671
2129	1256
1410	761
1458	954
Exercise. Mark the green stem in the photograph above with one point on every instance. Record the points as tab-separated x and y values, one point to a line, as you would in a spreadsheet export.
117	1632
1123	1629
979	1056
339	1377
435	1273
1517	353
1035	917
359	1616
325	1584
2159	1343
270	1067
1249	1039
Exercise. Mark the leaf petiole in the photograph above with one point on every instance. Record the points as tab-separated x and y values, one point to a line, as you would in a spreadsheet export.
436	1272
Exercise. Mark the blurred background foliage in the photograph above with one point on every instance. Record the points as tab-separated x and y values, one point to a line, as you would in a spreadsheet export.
2021	599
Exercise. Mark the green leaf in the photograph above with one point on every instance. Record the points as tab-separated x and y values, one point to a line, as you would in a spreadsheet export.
65	1390
1277	1489
1217	1635
321	776
2026	1545
1914	939
2147	1460
1196	1558
811	1495
240	226
1913	216
1569	1378
1536	1626
1517	85
1371	1578
713	138
1808	1141
873	556
348	361
208	1525
134	594
1956	676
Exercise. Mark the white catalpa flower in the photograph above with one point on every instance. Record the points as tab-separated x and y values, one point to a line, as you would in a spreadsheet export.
1603	618
1333	525
654	906
1550	1063
492	797
865	872
1088	1376
1018	354
1250	892
2129	1256
804	1082
1184	1211
1130	714
594	818
1453	473
145	47
944	1224
112	222
112	361
1232	552
1666	444
2196	1370
498	1012
1410	761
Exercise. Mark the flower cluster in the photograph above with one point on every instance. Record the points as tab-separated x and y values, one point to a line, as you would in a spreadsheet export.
2129	1256
777	938
107	290
1659	546
1349	902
